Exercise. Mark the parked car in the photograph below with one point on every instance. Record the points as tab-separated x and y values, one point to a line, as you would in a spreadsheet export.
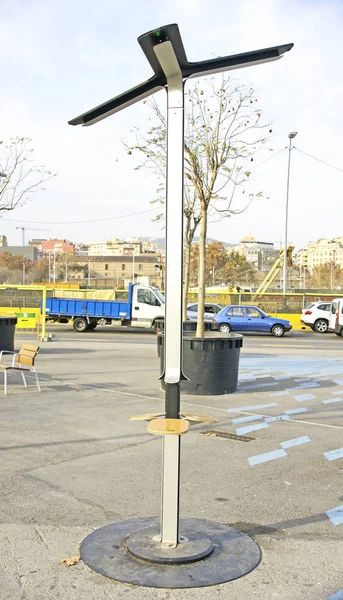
336	316
249	318
210	311
317	316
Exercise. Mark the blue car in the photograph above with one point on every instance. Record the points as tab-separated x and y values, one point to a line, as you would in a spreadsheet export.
249	318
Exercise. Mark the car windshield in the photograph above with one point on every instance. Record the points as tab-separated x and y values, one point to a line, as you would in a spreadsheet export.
159	295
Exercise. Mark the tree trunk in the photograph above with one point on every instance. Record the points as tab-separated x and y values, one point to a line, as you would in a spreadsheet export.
202	272
188	243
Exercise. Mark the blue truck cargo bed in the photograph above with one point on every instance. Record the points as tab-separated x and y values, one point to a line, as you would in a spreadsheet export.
67	307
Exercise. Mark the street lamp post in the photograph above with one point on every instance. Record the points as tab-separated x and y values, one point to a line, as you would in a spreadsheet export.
157	542
291	136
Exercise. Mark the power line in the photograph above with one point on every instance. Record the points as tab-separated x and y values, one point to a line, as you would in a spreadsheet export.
79	222
266	159
318	159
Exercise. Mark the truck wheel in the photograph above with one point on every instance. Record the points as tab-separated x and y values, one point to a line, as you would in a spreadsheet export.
341	332
321	325
92	326
80	324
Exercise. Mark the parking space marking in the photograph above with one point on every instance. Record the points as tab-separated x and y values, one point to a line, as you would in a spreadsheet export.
336	515
254	407
284	393
338	392
295	442
337	596
246	419
278	418
266	457
338	381
296	411
334	454
303	397
249	428
332	400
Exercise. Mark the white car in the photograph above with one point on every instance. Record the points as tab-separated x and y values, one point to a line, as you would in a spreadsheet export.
317	316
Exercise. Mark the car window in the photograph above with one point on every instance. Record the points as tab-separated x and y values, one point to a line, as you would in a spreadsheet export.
193	308
235	311
333	308
253	312
209	308
324	307
309	306
147	297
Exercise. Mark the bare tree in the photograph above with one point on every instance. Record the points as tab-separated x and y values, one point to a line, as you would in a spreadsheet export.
20	176
223	133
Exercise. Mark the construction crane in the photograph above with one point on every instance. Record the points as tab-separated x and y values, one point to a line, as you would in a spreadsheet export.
273	272
23	229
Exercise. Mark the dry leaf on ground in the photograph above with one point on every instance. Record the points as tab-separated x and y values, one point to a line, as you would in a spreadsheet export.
69	562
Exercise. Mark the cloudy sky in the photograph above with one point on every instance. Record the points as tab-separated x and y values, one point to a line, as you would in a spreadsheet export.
59	59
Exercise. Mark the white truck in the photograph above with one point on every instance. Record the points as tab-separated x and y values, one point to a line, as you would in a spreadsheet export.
143	307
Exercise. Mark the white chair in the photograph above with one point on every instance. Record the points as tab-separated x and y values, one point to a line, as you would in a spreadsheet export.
23	361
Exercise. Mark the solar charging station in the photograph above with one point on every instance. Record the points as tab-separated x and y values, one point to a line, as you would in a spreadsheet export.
170	552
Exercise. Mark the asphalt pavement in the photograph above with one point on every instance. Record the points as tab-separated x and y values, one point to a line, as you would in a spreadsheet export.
271	466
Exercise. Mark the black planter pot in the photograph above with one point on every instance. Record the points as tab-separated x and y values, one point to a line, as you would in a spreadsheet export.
210	363
7	331
189	327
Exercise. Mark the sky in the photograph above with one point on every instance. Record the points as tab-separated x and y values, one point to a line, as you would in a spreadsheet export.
59	59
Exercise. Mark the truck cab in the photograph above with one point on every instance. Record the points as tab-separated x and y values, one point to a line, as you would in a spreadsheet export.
147	305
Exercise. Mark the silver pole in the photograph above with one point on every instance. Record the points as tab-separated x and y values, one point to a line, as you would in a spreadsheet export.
66	271
133	266
49	255
89	273
173	287
291	136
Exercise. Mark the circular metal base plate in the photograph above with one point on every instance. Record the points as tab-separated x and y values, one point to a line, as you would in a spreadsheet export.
234	554
146	545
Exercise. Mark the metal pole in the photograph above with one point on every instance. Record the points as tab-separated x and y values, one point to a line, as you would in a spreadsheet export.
66	271
291	136
23	236
23	273
133	266
54	264
44	314
49	255
173	286
89	273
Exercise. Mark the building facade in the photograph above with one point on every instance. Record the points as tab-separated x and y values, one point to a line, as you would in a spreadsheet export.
115	247
321	252
260	254
117	271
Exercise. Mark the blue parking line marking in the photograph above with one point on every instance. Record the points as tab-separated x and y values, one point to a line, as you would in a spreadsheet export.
303	397
260	385
278	418
332	401
334	454
266	457
336	515
295	442
246	419
296	411
256	406
285	393
249	428
337	596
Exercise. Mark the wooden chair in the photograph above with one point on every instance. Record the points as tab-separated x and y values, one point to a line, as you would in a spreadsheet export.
23	361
